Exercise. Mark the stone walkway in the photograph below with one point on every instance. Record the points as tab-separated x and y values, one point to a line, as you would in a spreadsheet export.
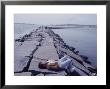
39	46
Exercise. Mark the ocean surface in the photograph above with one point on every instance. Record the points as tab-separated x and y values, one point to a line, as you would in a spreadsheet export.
84	39
21	29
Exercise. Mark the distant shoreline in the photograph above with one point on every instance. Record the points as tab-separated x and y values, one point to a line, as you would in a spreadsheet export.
59	24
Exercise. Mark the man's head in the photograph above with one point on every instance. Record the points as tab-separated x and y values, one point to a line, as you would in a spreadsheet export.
42	65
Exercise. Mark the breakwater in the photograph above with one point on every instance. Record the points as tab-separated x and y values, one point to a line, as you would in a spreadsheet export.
43	44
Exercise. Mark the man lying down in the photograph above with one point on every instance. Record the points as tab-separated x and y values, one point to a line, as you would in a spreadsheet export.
65	63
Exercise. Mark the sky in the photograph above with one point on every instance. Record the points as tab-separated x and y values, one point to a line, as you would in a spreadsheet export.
48	19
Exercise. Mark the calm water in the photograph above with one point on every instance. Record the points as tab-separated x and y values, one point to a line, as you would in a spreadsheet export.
22	29
83	39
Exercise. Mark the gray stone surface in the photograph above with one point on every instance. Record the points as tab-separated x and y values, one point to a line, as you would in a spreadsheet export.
21	54
47	50
40	75
23	74
49	47
61	73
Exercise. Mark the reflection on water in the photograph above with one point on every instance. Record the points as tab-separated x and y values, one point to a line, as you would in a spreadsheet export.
83	39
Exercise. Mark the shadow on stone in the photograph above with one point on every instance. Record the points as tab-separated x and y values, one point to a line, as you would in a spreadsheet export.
73	73
34	73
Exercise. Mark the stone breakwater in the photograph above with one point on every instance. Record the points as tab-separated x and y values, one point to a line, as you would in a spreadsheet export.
43	44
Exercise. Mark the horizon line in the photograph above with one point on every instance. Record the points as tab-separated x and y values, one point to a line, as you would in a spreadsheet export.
54	24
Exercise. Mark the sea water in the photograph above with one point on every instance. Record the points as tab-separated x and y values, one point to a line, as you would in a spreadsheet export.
84	39
20	29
